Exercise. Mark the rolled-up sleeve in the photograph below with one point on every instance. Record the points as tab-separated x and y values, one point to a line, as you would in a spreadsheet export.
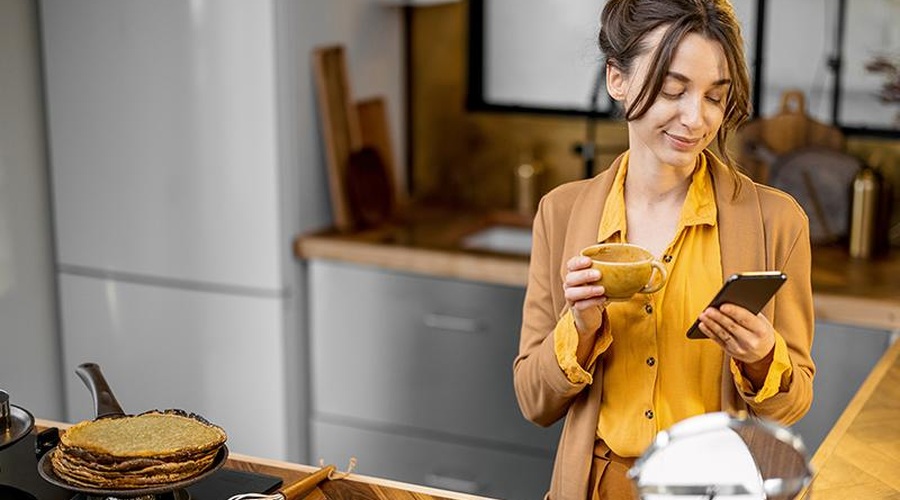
566	345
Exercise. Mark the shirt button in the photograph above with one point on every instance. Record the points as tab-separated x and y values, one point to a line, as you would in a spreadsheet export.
649	414
648	308
667	258
651	361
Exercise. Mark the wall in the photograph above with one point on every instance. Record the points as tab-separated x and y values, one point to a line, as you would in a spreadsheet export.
29	344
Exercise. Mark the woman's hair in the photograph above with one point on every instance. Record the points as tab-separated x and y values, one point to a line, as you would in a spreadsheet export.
624	25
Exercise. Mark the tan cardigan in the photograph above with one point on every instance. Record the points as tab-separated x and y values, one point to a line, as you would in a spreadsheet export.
761	229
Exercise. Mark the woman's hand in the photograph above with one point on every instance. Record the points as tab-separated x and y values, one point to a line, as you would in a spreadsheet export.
746	337
585	299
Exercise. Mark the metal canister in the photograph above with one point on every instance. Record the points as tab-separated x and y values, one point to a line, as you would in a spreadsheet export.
864	213
528	177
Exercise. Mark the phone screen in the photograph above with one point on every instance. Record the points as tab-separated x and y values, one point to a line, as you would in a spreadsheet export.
751	290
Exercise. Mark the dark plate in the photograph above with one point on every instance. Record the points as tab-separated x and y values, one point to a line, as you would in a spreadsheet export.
45	469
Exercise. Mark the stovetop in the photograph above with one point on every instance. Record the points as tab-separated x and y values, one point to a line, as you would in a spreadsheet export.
10	493
223	483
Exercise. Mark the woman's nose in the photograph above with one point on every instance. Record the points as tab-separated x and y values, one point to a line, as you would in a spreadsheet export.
692	112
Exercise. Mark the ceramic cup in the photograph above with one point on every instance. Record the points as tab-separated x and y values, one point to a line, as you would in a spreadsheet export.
626	269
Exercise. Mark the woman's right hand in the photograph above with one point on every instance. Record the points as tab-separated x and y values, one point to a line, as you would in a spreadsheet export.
585	299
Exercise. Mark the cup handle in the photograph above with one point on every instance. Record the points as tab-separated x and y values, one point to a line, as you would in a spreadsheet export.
661	275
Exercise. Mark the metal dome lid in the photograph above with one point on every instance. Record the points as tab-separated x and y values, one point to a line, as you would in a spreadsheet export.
15	422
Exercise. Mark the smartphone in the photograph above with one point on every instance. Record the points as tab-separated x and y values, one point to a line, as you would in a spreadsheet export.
751	290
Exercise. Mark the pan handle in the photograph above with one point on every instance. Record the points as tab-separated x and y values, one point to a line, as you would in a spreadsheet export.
105	402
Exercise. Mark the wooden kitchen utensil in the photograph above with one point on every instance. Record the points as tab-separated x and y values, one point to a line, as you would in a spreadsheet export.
369	192
340	126
369	178
300	489
763	140
374	129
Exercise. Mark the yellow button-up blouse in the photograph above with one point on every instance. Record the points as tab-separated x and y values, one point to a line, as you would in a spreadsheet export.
654	376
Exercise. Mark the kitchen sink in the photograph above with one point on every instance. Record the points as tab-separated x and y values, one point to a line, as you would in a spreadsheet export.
500	239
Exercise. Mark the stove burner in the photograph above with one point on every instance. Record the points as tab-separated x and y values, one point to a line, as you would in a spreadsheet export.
10	493
172	495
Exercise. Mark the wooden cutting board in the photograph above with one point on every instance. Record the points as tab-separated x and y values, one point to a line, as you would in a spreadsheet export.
763	140
370	181
339	125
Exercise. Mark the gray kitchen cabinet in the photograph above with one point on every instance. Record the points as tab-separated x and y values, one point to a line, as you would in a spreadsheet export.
844	356
413	376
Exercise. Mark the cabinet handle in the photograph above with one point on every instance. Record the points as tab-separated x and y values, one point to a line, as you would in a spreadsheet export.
453	323
452	483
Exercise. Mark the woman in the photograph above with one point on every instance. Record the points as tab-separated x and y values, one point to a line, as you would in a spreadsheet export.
619	372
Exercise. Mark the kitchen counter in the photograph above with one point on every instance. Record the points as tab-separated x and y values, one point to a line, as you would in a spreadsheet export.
855	291
429	243
353	486
845	290
860	457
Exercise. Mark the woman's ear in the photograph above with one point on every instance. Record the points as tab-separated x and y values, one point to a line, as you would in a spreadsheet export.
616	83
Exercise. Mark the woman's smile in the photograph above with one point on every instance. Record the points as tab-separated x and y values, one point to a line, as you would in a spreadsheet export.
684	143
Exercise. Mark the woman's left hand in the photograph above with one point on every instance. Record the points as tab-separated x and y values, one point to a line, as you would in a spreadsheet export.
745	336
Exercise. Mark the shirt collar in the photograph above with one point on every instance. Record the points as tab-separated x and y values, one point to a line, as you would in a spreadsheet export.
699	204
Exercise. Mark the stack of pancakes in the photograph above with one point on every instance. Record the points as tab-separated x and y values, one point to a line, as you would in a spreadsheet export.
135	452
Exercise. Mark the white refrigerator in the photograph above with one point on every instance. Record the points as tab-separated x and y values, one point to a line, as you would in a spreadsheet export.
184	159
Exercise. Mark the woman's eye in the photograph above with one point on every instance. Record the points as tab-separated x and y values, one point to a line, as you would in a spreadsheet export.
671	93
714	98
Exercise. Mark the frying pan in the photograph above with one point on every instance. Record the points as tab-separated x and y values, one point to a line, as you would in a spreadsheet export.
107	406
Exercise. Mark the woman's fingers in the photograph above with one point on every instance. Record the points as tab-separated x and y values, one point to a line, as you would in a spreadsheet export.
579	282
711	324
739	332
582	296
578	262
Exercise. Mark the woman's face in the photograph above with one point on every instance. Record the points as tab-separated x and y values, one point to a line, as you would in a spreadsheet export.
687	113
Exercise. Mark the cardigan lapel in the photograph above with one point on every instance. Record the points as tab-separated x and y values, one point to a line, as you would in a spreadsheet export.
742	240
742	237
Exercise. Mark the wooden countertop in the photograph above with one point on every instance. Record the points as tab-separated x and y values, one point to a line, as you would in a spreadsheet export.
851	291
353	486
854	291
860	457
429	243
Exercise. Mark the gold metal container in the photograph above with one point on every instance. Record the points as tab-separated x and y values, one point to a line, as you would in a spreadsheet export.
864	213
528	176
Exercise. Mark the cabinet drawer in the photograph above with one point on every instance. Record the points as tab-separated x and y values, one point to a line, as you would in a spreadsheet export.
439	464
418	351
